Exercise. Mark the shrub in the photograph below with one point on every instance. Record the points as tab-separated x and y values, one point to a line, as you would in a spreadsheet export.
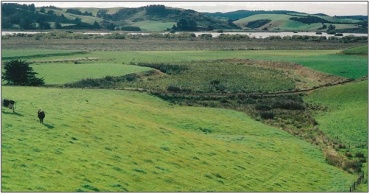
353	166
131	77
205	36
267	115
360	155
173	89
262	106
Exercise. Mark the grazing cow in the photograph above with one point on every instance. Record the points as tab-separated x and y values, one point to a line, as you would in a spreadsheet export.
41	115
9	104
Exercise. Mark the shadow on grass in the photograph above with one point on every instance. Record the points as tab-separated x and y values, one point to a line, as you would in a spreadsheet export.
11	113
49	126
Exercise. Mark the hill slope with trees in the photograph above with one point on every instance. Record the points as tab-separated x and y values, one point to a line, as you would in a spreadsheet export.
161	18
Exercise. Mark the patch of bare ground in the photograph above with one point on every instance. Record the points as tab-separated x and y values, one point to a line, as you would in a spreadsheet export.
305	78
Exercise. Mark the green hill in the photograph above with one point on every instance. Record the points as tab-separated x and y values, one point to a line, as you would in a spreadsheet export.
148	18
116	141
300	22
161	18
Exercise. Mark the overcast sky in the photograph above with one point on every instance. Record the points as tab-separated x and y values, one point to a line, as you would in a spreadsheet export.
329	8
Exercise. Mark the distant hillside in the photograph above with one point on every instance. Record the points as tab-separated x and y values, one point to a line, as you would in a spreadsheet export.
148	18
235	15
293	21
161	18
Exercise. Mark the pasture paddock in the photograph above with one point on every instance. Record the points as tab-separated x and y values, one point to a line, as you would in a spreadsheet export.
129	141
328	61
107	140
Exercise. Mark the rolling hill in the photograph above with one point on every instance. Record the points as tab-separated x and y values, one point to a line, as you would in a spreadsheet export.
290	21
161	18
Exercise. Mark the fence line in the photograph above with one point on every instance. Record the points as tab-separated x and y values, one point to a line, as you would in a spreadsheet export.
360	180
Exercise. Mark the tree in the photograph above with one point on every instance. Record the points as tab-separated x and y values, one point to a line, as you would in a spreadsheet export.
27	24
96	25
58	25
19	72
187	25
331	29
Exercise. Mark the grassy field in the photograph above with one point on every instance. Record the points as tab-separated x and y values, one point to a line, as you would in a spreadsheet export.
327	61
107	140
61	73
111	140
214	76
360	50
154	25
283	22
346	118
278	21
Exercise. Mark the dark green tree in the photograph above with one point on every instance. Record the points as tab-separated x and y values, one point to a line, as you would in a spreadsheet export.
58	25
187	25
17	72
331	29
96	25
27	24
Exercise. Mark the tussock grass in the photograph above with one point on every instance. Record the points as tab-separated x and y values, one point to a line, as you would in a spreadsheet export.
106	140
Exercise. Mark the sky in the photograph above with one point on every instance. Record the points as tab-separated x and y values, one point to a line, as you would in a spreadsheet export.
328	7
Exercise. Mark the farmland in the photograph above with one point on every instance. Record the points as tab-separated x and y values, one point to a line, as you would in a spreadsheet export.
199	127
129	141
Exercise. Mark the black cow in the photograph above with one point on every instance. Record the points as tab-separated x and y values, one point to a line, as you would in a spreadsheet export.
41	115
9	104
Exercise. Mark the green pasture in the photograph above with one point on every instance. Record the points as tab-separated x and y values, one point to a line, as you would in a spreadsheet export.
327	61
215	76
282	22
347	114
360	50
60	73
338	20
277	17
153	25
298	26
346	117
117	141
